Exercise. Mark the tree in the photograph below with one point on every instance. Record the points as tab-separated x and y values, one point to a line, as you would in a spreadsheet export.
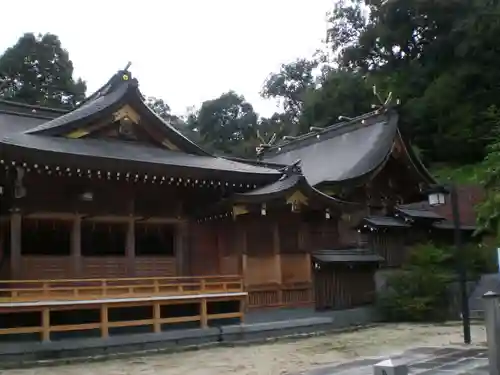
159	106
436	56
488	211
290	85
225	123
38	71
341	93
162	109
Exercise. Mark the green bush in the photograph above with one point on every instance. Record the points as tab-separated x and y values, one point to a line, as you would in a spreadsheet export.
419	291
415	295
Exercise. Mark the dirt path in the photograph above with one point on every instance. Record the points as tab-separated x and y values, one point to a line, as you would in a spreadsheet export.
277	358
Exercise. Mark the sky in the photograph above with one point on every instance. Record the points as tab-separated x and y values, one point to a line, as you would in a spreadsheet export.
182	51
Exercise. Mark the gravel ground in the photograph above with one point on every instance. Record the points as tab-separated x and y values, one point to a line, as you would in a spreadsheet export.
276	358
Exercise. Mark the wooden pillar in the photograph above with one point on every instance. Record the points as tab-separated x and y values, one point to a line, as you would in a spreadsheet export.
15	243
277	261
76	246
130	246
181	248
242	242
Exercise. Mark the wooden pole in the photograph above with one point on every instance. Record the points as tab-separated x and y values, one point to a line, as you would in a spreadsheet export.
76	245
181	248
277	262
15	243
130	247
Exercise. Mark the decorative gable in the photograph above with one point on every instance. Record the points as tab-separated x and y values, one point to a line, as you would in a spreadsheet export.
117	111
124	124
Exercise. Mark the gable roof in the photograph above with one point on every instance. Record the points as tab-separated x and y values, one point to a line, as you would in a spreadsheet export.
345	151
121	89
40	135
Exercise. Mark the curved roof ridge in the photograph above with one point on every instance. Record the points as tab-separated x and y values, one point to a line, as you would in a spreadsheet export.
327	129
344	152
106	100
33	106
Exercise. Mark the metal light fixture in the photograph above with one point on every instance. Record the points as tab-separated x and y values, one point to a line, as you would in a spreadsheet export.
327	214
263	211
436	198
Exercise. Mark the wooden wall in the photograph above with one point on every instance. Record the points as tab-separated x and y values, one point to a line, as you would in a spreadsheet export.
58	267
392	246
271	252
341	286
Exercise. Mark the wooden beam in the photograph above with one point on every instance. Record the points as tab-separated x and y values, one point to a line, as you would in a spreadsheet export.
111	218
50	216
160	220
127	112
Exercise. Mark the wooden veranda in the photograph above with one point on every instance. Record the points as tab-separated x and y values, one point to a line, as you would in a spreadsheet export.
34	306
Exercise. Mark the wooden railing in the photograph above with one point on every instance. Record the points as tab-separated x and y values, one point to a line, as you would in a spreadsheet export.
108	304
88	289
280	295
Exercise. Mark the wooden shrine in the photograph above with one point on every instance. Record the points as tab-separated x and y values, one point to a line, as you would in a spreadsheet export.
110	210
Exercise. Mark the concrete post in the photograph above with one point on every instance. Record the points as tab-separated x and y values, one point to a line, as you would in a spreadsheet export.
390	367
492	322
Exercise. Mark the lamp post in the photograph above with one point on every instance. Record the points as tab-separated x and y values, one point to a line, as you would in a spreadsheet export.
436	196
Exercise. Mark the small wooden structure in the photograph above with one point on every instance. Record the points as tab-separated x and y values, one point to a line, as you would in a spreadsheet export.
109	207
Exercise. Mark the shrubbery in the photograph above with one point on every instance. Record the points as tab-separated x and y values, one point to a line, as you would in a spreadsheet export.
419	292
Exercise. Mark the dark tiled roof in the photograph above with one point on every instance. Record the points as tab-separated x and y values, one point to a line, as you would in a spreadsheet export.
35	133
449	226
88	111
419	213
469	196
287	184
342	152
346	255
385	221
15	123
8	106
120	152
280	186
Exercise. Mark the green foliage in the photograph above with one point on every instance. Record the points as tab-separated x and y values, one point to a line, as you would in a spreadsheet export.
340	93
488	211
225	124
290	85
419	291
458	174
414	296
434	55
37	70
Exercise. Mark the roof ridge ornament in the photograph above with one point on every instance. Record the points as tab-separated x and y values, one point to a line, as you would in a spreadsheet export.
263	146
293	169
383	104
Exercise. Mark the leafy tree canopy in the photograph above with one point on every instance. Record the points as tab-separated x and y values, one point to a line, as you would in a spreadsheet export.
38	71
225	123
290	85
437	56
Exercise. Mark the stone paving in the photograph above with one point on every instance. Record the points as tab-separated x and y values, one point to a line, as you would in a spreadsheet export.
421	361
